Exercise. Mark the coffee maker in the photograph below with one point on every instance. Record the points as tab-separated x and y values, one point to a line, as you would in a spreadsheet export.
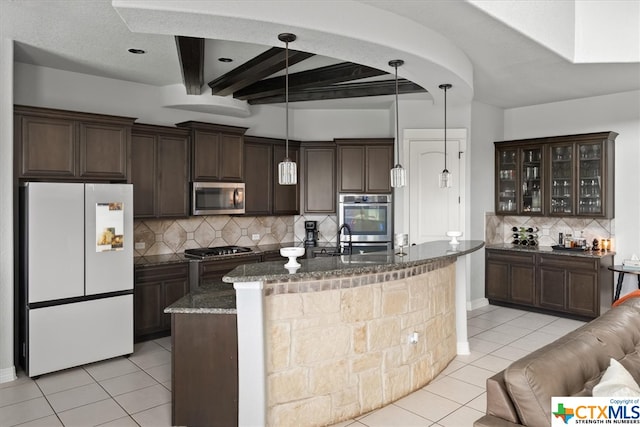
311	234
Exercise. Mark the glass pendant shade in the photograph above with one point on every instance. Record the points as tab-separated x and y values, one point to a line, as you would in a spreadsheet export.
398	176
444	179
287	172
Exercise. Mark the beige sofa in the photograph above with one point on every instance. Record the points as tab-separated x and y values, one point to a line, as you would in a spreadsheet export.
571	366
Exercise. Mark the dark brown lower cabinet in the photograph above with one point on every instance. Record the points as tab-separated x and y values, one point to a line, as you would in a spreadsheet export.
510	277
204	370
574	286
157	287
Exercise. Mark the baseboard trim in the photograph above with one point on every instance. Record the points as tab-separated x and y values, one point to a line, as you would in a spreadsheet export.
462	348
8	374
477	303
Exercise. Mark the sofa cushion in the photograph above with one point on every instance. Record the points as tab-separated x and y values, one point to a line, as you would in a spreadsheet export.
616	382
573	364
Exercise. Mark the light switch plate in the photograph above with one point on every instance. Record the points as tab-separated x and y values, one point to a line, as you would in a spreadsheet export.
140	245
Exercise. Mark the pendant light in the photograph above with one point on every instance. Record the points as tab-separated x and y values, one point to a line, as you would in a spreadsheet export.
444	178
398	173
287	170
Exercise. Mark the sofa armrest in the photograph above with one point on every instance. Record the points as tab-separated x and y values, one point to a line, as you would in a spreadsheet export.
491	421
499	402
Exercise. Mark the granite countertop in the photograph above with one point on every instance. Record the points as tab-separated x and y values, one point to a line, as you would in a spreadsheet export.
210	298
550	250
219	298
348	265
151	260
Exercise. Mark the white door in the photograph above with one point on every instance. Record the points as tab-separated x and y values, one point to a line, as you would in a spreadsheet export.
55	238
433	210
109	238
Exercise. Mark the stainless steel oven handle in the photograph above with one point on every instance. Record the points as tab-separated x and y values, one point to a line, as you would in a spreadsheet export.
235	197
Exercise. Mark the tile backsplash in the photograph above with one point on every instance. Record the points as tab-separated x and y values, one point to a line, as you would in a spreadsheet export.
498	228
174	236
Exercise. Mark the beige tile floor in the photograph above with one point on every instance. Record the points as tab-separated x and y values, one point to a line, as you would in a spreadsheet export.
135	391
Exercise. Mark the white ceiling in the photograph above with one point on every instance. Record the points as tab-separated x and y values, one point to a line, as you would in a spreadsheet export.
509	69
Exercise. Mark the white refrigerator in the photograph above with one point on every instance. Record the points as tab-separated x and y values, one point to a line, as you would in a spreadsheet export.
76	274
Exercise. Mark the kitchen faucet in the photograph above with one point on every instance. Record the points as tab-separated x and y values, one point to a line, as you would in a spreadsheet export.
342	227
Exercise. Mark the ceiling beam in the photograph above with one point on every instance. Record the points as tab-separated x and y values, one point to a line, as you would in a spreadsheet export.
191	55
263	65
318	77
347	90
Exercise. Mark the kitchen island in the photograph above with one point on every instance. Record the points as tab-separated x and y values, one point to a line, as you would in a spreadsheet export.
343	335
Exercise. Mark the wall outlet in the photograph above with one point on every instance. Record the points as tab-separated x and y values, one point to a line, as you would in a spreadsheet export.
140	245
413	338
255	237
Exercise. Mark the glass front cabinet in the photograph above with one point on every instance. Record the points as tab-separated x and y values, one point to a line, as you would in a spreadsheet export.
506	180
562	180
519	179
556	176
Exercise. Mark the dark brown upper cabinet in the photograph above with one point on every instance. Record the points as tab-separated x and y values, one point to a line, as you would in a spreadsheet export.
217	152
570	175
263	194
364	165
286	198
258	176
318	177
67	145
160	171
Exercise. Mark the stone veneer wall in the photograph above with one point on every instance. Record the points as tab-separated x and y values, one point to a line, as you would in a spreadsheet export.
339	348
498	228
162	237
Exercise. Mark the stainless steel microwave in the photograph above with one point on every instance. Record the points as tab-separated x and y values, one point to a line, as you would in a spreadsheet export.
217	198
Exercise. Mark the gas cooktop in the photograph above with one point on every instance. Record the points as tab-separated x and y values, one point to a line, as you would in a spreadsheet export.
202	253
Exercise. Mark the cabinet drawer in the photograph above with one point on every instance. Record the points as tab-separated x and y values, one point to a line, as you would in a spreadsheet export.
569	263
511	257
161	272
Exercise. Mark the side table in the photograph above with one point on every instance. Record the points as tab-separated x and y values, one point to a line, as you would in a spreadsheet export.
622	270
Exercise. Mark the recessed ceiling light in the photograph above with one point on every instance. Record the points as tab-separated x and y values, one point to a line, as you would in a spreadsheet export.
225	59
136	51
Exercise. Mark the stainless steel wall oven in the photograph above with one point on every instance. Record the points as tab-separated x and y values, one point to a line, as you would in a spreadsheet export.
370	218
